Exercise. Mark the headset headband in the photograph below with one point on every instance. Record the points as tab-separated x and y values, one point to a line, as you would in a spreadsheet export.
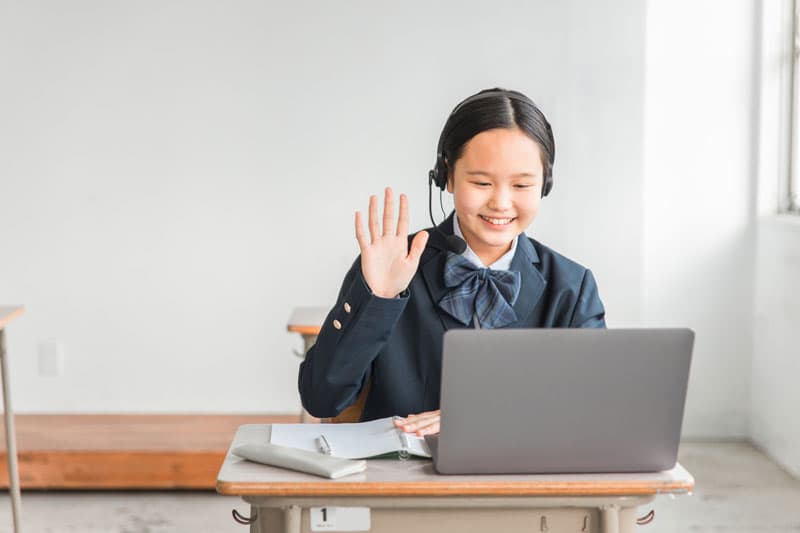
438	175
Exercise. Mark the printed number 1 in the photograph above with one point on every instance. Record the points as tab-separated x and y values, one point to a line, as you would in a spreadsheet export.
324	514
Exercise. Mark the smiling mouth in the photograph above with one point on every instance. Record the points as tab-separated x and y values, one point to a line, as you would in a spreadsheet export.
498	221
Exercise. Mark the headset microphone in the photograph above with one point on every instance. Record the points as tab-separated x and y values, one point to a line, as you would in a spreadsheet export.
455	244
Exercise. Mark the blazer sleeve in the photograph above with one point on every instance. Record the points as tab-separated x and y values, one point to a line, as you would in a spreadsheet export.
337	366
589	311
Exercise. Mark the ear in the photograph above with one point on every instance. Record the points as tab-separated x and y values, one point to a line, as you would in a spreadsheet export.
450	181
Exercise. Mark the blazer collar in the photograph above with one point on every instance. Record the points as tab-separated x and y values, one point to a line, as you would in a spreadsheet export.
435	255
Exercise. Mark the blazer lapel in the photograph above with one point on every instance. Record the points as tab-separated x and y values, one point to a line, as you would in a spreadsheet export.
533	282
432	267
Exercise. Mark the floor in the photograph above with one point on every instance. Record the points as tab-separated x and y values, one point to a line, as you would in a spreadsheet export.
739	489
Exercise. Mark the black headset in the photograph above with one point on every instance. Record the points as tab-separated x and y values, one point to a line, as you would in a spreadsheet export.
438	174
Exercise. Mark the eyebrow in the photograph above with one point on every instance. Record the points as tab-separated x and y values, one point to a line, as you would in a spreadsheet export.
490	175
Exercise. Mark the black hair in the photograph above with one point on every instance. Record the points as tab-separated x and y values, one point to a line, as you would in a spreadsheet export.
490	109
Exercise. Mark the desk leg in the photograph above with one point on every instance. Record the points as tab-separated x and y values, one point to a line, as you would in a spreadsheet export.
273	519
616	519
610	518
627	520
308	342
11	441
292	519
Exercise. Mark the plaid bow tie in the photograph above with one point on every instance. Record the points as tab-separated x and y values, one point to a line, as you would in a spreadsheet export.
487	293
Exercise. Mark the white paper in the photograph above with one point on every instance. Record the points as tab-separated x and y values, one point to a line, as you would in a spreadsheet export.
351	441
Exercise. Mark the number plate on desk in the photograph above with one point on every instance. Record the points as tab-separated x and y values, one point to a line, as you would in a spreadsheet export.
340	519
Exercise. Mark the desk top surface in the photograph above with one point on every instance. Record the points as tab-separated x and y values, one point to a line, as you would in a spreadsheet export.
416	477
307	320
9	313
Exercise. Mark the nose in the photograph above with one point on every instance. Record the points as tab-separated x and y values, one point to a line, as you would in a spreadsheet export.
500	199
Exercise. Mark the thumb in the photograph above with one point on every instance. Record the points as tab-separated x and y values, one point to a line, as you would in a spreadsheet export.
418	246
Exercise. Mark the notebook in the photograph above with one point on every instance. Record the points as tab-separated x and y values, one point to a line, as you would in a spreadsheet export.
360	440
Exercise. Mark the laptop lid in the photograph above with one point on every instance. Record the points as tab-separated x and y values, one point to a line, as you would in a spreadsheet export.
562	400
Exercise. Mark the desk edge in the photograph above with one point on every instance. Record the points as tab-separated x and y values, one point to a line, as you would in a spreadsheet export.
303	330
17	311
471	488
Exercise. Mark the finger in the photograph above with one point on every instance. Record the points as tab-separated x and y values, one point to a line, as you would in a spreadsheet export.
402	220
423	414
429	421
430	430
421	422
418	246
374	229
360	237
388	212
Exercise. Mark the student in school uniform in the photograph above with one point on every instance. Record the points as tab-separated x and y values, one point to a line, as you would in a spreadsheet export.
476	269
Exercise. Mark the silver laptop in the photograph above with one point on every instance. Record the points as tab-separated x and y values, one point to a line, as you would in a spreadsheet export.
561	400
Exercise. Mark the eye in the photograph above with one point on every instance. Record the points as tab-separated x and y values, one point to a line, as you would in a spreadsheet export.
524	185
481	183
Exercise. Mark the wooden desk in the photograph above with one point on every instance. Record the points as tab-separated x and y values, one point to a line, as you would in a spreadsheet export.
307	321
7	314
403	495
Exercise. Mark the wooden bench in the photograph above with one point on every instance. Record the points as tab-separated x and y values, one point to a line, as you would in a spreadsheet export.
125	451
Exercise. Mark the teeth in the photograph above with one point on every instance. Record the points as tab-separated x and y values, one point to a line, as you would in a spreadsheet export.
498	221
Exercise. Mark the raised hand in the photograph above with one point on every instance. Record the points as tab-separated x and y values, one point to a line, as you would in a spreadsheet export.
386	261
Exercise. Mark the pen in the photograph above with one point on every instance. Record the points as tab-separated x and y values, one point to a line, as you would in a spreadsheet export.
323	445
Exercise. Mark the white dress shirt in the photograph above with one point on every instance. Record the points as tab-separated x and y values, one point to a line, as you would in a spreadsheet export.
503	263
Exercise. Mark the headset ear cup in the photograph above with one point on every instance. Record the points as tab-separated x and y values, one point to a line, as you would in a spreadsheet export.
435	177
440	174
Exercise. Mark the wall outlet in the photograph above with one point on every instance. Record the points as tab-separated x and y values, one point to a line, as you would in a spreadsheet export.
51	358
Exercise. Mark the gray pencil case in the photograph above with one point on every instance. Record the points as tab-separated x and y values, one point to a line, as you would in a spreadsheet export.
300	460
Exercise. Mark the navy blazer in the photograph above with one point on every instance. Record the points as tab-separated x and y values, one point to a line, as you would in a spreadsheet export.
397	343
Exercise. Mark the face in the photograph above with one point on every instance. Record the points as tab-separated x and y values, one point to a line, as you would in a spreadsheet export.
497	187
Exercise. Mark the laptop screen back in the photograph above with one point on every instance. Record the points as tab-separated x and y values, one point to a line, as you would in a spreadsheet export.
562	400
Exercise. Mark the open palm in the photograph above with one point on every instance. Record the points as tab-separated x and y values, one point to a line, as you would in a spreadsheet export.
386	261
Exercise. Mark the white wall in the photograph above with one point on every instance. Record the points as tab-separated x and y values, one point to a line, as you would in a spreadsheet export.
774	421
176	176
699	197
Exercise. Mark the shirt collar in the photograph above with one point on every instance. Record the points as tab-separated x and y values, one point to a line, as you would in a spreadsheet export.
503	263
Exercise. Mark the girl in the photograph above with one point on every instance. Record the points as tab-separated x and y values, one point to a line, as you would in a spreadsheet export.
476	269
